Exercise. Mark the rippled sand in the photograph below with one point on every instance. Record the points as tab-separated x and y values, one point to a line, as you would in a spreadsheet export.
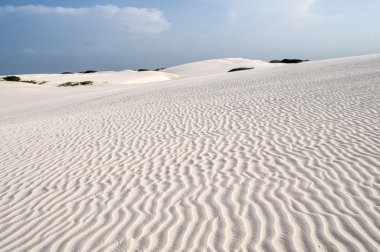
273	159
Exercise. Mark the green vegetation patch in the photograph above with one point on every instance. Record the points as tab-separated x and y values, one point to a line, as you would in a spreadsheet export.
288	61
241	69
31	82
73	84
88	71
12	78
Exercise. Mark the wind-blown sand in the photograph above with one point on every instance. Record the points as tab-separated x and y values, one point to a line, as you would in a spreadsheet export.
283	158
216	66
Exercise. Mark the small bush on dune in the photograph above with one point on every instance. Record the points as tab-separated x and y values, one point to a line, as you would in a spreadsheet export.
67	73
18	79
159	69
241	69
69	84
143	70
72	84
12	78
89	71
85	83
30	81
288	61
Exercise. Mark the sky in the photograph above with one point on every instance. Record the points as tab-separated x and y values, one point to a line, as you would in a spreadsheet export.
47	36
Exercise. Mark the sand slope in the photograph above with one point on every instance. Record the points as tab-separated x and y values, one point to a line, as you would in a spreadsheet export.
279	159
103	77
18	96
217	66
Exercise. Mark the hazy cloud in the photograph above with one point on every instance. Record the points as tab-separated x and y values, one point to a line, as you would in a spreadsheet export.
233	15
290	9
302	8
28	51
136	20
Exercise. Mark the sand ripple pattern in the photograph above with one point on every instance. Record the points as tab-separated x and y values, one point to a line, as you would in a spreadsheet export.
271	160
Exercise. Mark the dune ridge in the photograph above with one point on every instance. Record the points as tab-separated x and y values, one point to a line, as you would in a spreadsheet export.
277	159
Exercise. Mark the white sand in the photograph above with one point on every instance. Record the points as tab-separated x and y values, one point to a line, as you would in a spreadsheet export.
108	77
18	96
283	158
217	66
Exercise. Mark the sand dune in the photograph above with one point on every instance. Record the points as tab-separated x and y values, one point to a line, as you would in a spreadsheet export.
200	68
18	96
103	77
274	159
216	66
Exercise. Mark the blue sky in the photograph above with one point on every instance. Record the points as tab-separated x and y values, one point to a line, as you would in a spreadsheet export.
56	36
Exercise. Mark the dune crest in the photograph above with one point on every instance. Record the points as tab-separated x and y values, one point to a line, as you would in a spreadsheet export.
216	66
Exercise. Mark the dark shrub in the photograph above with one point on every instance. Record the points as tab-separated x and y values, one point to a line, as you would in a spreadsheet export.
85	83
18	79
67	73
241	69
12	78
30	81
288	61
143	70
72	84
89	71
69	84
159	69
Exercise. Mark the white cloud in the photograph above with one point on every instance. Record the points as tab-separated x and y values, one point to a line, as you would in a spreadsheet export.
136	20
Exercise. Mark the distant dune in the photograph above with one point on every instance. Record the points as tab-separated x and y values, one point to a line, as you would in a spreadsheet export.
207	67
215	66
102	77
278	158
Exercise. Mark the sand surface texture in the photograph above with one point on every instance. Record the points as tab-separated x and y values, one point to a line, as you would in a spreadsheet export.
273	159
